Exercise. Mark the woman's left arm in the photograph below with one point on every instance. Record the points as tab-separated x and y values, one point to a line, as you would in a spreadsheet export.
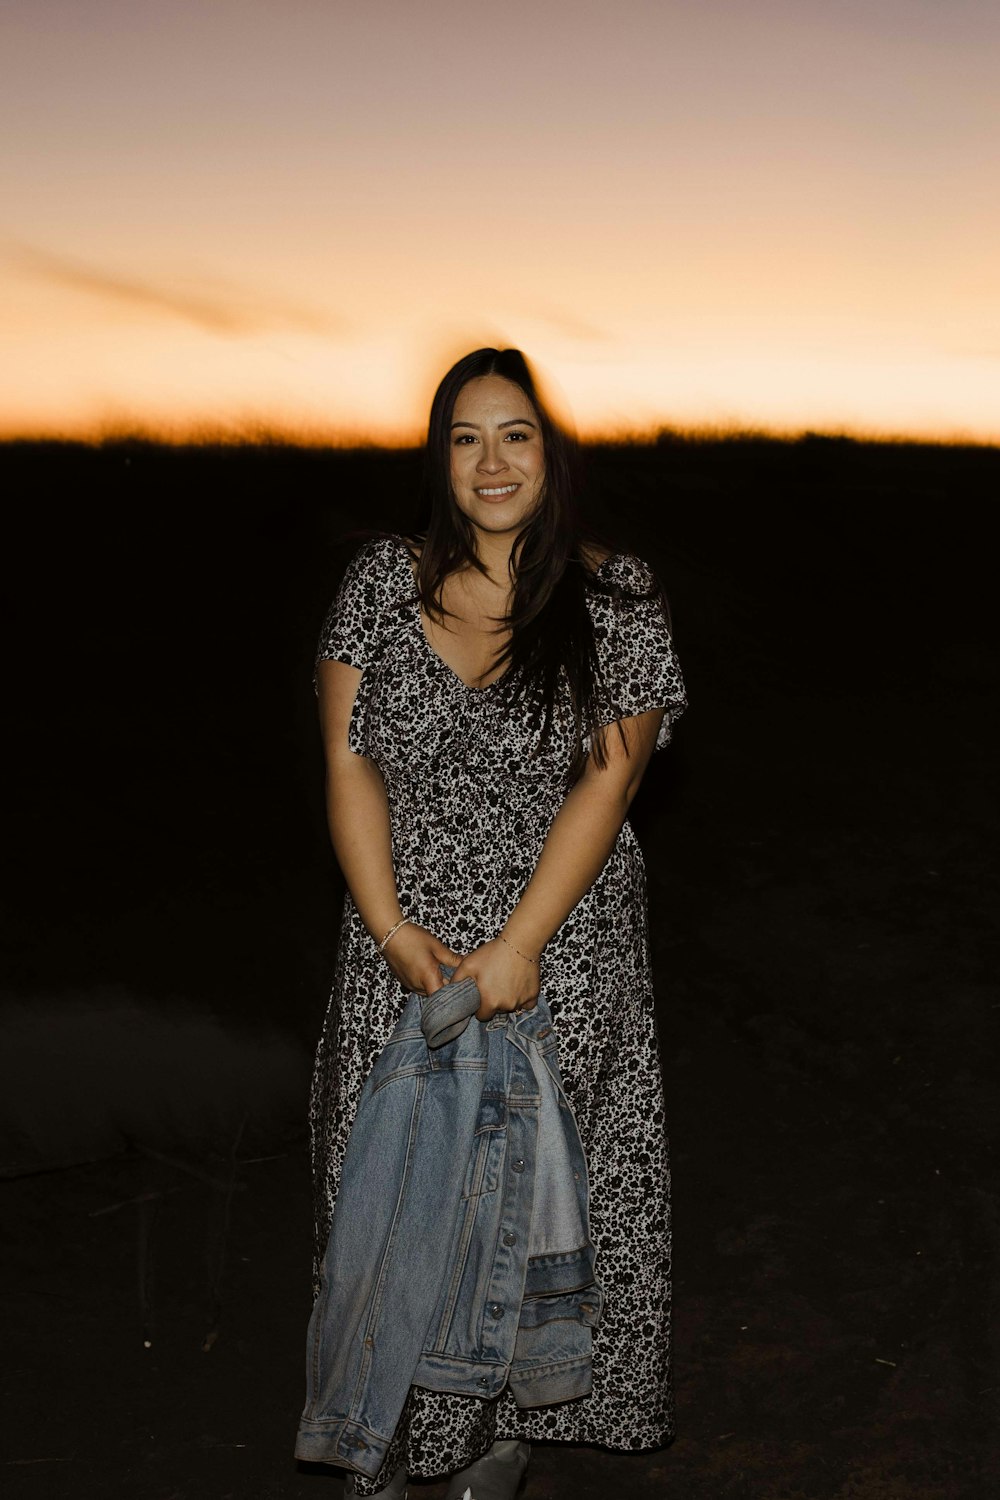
581	837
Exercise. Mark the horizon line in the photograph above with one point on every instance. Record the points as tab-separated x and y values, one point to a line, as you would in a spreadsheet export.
266	435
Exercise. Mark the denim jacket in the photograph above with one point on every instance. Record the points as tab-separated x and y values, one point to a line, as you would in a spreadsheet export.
460	1256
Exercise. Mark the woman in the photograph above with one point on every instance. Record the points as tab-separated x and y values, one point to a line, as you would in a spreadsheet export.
490	691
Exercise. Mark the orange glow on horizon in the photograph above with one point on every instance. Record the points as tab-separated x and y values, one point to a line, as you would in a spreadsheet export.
891	399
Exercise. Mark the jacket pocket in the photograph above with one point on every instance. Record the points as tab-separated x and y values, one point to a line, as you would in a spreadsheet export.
482	1175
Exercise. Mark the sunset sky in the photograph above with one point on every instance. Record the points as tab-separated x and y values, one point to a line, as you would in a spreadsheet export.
228	215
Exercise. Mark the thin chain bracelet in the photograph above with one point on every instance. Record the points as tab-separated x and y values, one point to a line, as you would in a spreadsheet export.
391	934
518	951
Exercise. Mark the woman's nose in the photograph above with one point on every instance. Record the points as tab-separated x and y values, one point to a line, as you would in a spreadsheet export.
491	460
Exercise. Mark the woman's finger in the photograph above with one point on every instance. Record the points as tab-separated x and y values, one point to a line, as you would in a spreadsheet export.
433	979
487	1010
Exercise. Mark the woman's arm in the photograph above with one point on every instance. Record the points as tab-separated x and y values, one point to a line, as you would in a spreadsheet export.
358	816
576	848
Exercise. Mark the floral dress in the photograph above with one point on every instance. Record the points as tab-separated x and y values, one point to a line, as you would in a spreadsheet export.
470	803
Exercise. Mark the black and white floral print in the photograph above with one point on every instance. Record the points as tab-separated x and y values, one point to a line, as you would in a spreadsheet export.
471	797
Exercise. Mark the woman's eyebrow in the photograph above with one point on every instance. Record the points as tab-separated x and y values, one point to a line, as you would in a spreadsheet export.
514	422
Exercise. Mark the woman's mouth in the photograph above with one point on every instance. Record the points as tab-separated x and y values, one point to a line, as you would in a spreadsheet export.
498	492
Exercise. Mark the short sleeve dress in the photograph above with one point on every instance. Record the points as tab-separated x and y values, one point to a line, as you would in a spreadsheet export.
471	797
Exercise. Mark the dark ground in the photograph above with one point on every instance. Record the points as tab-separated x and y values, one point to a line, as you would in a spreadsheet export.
820	846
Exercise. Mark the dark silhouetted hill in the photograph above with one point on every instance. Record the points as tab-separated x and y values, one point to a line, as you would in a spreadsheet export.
833	606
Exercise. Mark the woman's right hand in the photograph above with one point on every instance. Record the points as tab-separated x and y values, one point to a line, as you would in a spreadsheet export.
415	957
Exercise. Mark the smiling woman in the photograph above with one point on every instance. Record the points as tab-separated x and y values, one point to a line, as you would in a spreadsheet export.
491	688
497	460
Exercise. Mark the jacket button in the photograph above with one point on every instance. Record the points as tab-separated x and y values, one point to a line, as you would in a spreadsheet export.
482	1380
496	1311
510	1239
517	1166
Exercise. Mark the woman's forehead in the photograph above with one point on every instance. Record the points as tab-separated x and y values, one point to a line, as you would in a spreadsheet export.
492	397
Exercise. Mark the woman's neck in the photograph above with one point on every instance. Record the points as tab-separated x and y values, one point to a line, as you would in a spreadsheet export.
494	551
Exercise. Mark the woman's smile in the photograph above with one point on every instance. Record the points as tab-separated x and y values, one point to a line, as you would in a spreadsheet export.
498	493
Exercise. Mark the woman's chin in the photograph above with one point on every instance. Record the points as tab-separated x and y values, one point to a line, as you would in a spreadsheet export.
500	520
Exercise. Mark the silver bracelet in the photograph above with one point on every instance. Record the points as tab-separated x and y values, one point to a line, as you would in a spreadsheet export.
392	933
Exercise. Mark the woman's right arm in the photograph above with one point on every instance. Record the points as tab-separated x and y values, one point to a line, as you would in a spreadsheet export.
358	816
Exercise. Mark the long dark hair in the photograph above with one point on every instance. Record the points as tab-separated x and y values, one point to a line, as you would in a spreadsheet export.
552	563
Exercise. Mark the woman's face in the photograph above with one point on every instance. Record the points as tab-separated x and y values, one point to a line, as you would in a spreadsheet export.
497	460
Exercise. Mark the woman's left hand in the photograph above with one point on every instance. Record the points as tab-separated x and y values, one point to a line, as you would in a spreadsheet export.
505	980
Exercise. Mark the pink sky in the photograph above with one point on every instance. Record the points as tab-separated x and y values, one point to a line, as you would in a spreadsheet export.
221	217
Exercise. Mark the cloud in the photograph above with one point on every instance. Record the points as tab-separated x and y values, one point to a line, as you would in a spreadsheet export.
223	310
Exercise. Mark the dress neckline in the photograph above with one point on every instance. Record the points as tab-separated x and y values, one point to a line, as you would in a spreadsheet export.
469	688
436	655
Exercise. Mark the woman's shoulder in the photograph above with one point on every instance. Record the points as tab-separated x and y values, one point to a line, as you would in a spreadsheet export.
383	554
380	570
371	602
623	573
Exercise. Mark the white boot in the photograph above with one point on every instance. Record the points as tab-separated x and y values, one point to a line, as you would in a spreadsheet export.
495	1476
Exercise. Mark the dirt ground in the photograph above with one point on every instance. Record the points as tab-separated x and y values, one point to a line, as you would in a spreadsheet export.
823	894
836	1234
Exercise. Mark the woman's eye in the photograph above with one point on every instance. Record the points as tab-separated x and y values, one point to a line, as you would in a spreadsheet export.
520	436
465	437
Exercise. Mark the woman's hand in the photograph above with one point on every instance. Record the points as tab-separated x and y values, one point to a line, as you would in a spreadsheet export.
415	957
505	980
